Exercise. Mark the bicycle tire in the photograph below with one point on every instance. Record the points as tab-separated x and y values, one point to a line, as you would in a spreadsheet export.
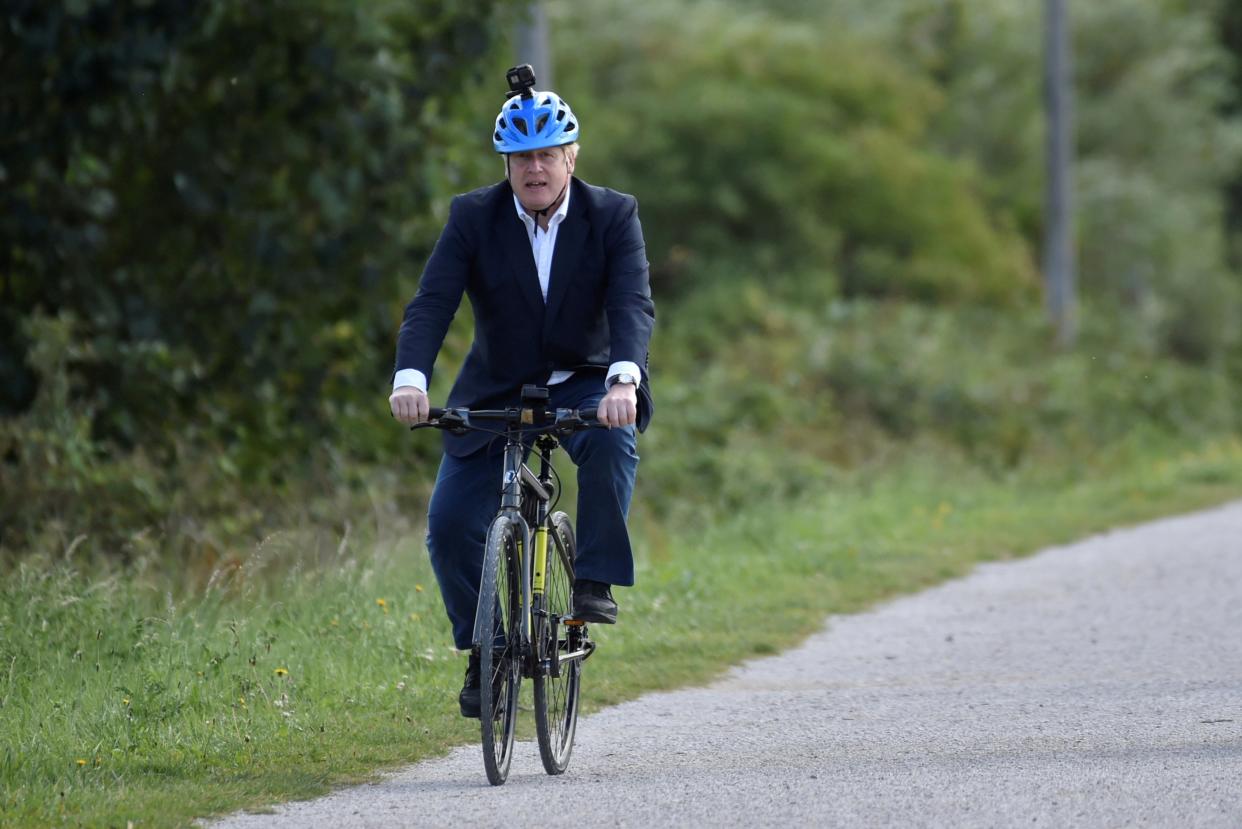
497	633
556	697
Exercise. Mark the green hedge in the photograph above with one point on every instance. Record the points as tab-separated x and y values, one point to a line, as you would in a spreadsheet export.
762	145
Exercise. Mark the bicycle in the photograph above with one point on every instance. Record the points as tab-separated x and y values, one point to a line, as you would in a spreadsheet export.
523	627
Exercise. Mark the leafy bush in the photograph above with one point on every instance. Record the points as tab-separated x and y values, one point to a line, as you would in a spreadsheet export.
228	197
60	485
772	391
212	219
1158	138
750	153
189	508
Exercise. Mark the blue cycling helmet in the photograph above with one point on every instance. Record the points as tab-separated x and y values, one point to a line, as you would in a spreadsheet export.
532	123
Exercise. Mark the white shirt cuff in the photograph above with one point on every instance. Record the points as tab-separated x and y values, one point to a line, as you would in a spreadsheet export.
410	377
622	367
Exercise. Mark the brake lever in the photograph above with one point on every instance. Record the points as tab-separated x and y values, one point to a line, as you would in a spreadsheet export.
567	425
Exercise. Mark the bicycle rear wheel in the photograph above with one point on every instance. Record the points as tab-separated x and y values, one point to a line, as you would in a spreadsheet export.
497	634
556	697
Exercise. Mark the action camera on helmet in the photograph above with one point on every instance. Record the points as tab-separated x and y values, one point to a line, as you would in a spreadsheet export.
521	80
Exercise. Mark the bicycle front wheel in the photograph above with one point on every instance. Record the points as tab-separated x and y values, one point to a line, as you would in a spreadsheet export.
558	679
498	635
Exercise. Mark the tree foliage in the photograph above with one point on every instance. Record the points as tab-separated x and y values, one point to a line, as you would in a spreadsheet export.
1156	142
1229	21
214	212
759	146
225	198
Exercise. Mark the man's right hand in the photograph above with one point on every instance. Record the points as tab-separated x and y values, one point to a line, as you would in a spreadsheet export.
409	405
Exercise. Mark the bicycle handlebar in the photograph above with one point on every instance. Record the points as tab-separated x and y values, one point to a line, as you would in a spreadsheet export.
437	412
460	418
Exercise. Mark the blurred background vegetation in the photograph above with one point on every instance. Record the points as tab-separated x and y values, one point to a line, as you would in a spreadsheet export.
213	215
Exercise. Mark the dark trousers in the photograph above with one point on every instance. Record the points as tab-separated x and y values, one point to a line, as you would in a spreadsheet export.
467	495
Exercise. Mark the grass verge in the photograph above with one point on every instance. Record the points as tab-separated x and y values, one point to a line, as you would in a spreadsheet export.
119	704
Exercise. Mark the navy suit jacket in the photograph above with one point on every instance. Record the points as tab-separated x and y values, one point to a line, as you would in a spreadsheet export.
599	309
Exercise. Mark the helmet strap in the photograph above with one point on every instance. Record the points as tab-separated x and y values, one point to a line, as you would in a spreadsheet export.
556	201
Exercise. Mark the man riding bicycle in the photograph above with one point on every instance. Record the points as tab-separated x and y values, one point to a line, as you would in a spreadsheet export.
556	273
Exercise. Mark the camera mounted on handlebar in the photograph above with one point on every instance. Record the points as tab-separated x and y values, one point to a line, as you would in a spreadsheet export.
534	404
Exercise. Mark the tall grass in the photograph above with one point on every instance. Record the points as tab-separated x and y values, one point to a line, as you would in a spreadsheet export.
121	701
111	682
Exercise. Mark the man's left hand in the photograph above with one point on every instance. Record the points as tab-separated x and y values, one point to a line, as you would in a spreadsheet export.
619	406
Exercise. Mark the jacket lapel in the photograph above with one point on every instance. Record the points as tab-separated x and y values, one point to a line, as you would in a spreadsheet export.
570	238
518	255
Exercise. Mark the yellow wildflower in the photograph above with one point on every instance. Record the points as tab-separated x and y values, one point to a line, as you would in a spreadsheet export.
414	617
81	762
125	701
282	672
418	588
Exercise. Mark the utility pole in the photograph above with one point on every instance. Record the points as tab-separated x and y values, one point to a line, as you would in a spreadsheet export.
532	44
1059	277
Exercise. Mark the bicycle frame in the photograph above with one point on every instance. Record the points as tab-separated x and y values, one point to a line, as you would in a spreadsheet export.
526	497
534	600
531	513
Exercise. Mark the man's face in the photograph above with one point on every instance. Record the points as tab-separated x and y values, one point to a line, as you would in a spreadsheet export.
539	176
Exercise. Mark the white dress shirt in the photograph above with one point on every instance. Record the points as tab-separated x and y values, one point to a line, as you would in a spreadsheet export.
542	245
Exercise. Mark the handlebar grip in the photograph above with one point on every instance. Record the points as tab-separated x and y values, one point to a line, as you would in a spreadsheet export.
587	414
436	413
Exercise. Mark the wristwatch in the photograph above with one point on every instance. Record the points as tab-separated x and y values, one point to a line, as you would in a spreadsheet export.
628	379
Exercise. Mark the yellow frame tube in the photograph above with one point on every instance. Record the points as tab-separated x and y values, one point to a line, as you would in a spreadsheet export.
541	559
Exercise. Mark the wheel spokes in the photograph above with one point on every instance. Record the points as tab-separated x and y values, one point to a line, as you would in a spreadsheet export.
500	642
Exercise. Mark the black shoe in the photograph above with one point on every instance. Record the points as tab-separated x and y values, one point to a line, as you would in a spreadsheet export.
593	602
468	699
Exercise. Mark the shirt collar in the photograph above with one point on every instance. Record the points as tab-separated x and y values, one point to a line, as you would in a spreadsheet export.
555	218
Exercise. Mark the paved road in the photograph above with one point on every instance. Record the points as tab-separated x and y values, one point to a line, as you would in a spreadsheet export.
1097	684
